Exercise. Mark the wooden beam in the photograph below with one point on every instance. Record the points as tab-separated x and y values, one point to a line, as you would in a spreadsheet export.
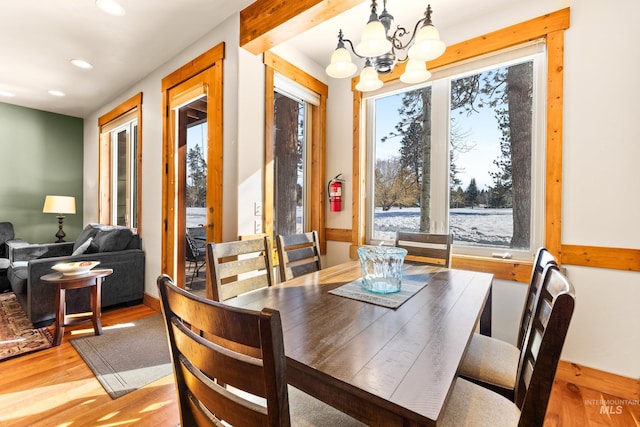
267	23
338	234
601	257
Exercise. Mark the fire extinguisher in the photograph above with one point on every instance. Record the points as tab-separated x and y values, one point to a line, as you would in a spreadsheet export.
335	193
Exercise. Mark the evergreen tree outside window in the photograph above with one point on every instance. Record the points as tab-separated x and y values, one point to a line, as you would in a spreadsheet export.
292	129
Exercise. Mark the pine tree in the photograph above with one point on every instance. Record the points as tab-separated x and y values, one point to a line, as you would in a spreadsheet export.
471	195
197	171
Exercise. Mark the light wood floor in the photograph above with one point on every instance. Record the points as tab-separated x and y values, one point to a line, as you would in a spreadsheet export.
55	387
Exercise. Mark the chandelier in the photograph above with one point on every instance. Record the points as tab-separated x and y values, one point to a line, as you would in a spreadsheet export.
381	51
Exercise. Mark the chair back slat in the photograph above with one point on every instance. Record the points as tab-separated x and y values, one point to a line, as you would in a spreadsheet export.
238	267
425	247
229	362
234	267
298	254
241	286
542	259
543	345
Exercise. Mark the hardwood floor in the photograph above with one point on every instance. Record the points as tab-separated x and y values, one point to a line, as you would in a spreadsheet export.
55	387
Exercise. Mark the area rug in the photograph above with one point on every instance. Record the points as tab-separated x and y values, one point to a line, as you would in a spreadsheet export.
17	334
127	356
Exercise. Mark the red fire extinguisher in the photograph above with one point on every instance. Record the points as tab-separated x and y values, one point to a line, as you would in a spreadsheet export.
335	193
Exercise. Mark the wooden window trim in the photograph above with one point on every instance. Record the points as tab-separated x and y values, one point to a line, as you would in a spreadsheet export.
104	159
550	27
274	63
209	60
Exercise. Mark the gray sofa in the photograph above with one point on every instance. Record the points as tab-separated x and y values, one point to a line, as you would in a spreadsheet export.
115	247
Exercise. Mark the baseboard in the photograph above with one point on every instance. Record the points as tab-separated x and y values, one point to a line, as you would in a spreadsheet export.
615	385
152	302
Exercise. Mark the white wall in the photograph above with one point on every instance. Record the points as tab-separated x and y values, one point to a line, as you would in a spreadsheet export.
151	88
601	181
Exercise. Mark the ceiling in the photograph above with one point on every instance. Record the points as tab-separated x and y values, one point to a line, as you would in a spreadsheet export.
38	38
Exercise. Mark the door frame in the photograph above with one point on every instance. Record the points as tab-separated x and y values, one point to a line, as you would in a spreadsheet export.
172	238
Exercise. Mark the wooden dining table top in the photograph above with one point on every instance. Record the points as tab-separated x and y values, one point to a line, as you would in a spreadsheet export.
381	365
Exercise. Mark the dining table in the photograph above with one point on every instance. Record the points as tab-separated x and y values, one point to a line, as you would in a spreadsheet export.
384	366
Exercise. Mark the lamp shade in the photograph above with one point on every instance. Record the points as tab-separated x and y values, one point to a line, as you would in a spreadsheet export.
428	45
369	79
415	72
59	205
341	65
373	41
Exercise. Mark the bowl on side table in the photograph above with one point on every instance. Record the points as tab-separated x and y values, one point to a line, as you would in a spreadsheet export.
75	268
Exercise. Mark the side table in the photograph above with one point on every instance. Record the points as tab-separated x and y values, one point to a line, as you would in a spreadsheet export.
92	279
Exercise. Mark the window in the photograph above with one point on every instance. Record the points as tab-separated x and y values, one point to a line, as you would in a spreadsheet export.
120	164
294	152
457	156
292	141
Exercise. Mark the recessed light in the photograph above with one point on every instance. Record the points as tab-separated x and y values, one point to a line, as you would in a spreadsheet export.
111	7
56	93
81	64
7	94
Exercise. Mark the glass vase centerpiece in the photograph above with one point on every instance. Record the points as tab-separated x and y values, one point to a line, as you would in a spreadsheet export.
381	268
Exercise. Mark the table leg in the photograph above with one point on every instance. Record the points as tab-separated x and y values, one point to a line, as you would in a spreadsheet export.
96	294
485	317
60	312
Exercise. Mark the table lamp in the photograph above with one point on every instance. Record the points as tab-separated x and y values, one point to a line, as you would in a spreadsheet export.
59	205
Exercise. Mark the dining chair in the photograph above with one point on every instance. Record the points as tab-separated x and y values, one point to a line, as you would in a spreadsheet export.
195	254
238	267
233	369
298	254
473	405
493	363
426	247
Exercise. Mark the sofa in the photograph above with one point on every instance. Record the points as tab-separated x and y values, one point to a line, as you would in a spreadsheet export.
6	235
115	247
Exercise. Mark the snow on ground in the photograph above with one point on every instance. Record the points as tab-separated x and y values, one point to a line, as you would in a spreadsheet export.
474	227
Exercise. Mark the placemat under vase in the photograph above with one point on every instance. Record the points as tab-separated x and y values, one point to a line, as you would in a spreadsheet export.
411	285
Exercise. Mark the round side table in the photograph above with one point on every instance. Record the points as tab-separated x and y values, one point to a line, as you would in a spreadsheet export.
92	279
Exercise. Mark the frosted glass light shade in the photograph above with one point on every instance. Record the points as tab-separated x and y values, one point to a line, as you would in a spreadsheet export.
341	65
373	41
369	80
415	72
428	45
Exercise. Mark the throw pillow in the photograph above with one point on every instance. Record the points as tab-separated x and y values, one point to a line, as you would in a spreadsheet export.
89	231
115	239
83	247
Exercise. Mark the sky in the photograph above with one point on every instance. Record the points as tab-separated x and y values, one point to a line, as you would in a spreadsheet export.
481	132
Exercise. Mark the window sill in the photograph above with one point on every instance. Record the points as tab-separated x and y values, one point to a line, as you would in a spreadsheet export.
504	269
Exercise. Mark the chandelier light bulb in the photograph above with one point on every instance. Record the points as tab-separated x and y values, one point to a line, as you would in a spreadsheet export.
369	79
415	72
428	45
341	65
374	40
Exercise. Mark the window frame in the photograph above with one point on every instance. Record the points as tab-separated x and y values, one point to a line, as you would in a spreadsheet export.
440	84
551	28
315	192
108	123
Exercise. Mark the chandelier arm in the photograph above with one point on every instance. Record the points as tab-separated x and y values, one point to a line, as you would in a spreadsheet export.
415	32
395	38
353	49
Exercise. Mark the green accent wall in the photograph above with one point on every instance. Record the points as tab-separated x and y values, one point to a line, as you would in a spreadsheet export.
42	153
